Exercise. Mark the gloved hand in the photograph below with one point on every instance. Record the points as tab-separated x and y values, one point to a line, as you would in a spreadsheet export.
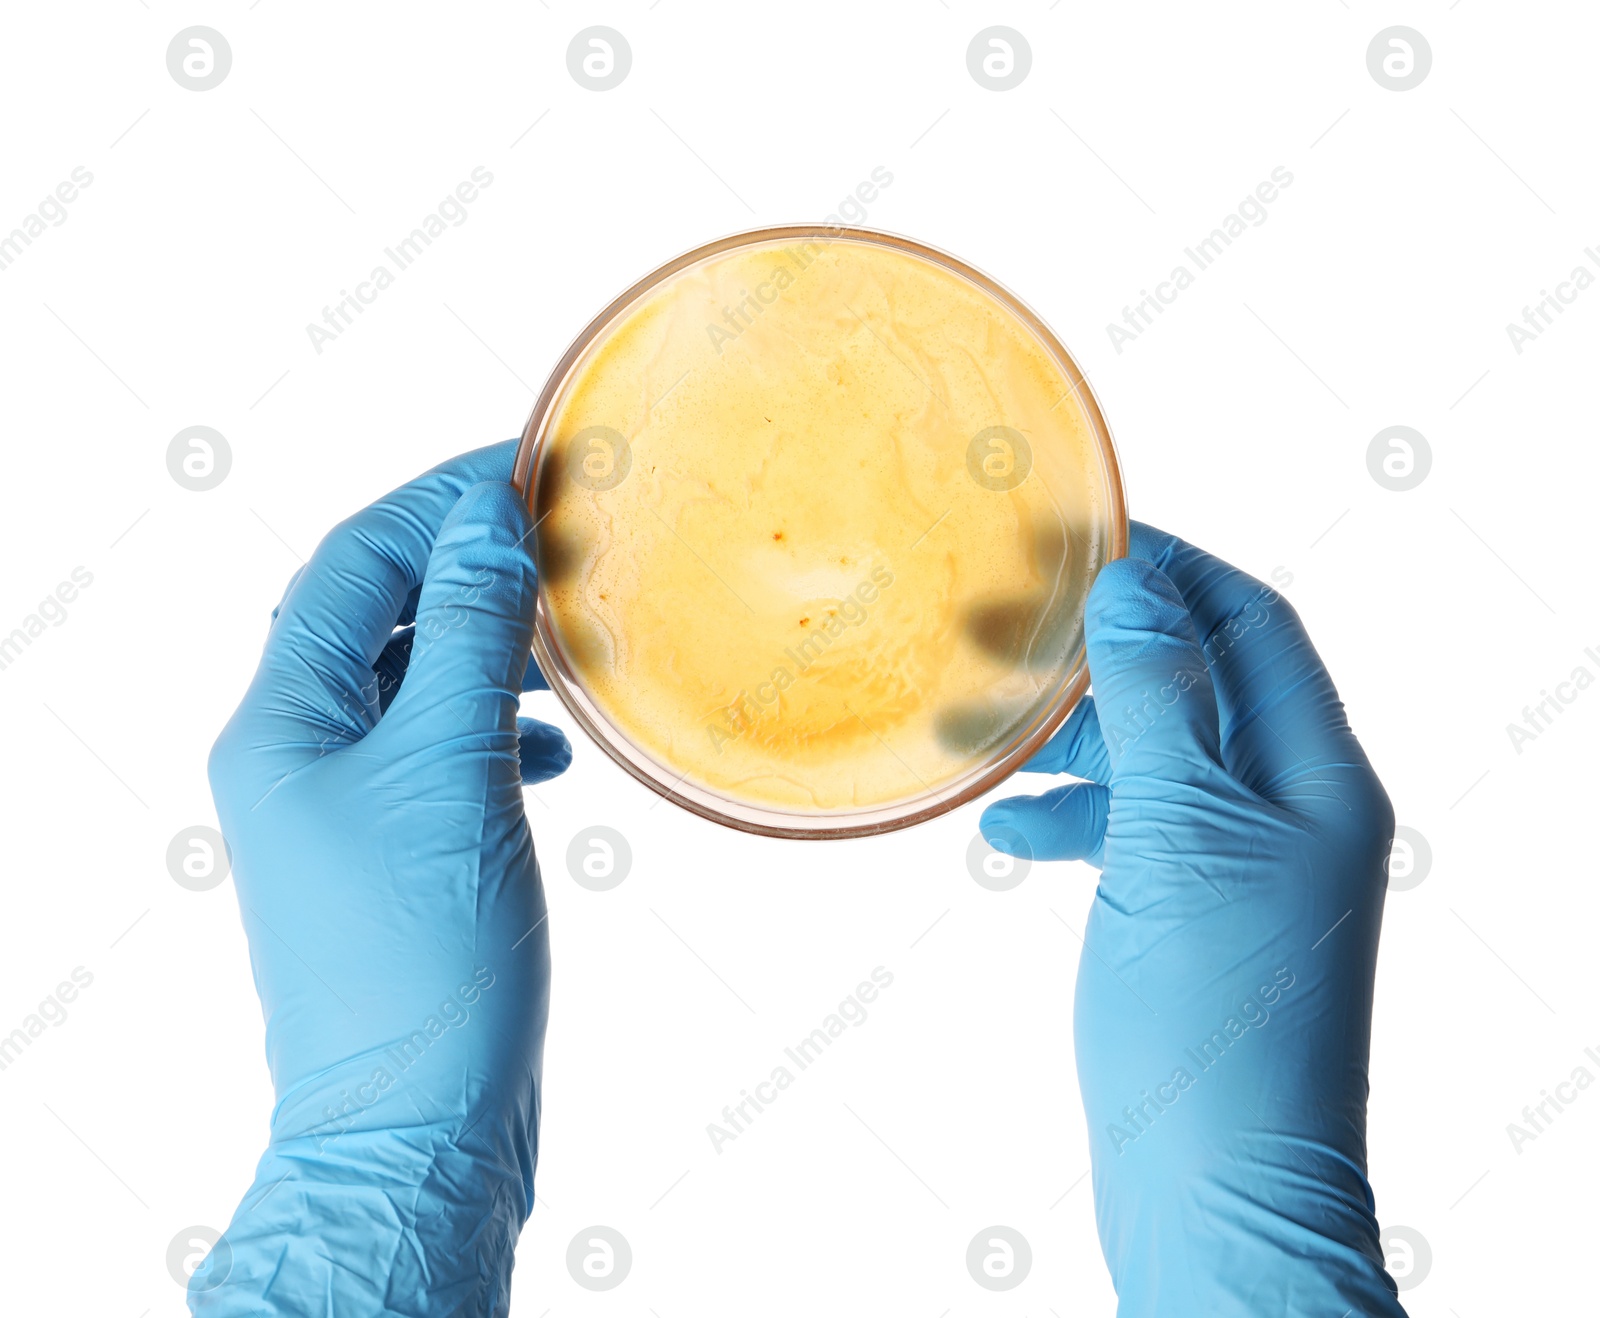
1224	996
369	788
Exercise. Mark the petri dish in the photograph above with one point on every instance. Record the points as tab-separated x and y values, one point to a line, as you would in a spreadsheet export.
817	511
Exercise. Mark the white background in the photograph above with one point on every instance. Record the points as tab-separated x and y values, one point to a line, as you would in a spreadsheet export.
219	223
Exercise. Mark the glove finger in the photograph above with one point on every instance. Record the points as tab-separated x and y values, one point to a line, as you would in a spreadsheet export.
543	750
1065	823
474	624
294	578
532	678
1077	748
340	611
1153	692
408	610
390	669
1284	731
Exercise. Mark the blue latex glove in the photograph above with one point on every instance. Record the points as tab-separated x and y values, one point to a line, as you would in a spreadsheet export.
1224	998
369	788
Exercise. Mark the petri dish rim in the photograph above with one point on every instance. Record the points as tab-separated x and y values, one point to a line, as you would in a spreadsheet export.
766	821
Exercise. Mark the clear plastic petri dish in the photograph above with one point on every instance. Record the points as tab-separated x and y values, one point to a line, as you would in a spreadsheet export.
817	512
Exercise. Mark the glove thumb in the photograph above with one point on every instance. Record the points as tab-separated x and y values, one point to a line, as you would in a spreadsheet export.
1152	689
474	623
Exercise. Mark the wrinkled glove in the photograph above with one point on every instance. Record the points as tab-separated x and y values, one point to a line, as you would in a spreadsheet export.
369	789
1224	997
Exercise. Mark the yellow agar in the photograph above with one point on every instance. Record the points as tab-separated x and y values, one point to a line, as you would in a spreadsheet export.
818	519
